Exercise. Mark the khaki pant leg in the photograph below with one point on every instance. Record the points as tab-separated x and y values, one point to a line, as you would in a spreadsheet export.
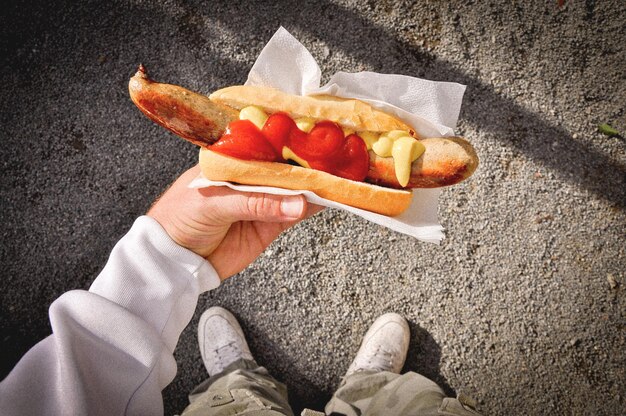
388	394
243	388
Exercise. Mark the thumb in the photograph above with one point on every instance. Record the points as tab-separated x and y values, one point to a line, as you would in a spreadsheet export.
242	206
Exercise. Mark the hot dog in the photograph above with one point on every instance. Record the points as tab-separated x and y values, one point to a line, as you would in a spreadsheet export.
371	165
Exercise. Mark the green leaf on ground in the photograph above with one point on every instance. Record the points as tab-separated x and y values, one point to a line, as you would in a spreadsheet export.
608	130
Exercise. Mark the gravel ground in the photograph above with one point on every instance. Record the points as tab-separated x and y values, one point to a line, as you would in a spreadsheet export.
522	306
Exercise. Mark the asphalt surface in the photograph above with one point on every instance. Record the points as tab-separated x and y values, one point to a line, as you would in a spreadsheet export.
522	306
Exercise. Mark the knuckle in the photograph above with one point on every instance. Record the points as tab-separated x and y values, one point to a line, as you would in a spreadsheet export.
261	205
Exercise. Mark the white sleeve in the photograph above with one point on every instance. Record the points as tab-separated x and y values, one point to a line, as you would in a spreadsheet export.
110	352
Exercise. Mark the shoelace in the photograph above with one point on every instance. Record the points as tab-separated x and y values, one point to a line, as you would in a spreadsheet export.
225	354
380	360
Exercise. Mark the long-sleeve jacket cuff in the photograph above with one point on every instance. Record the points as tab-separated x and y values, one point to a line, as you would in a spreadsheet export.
208	279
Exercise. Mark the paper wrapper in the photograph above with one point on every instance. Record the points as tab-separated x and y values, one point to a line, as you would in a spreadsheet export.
431	107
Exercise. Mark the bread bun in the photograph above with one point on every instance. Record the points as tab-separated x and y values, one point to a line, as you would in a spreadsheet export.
385	201
350	113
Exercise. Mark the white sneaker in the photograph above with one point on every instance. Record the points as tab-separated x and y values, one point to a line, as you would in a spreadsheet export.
221	340
384	346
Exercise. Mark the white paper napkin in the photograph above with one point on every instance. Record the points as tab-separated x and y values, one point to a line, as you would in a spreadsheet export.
431	107
419	220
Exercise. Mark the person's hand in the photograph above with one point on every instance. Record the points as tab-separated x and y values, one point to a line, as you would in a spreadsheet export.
228	228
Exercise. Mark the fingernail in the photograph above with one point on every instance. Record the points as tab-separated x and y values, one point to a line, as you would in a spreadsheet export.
292	206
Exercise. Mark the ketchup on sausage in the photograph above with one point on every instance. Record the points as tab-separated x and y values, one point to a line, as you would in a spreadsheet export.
323	148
